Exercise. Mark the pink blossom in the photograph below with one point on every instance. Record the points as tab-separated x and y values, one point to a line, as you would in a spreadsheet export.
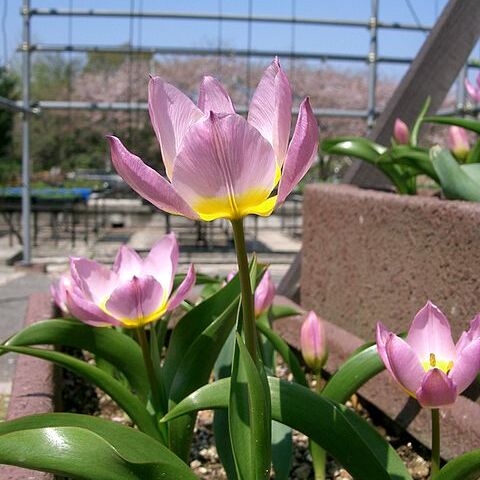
473	90
218	164
264	294
401	134
133	292
428	365
458	142
59	290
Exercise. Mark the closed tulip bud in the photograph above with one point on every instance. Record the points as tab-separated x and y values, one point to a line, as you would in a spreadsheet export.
264	294
458	142
401	134
313	342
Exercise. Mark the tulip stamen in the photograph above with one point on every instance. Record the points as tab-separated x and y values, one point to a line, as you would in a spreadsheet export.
433	360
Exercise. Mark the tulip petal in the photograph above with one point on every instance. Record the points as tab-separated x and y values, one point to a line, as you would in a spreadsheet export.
127	263
171	113
213	97
88	312
404	363
270	110
161	263
137	302
469	336
382	336
437	390
466	366
264	294
225	169
430	333
183	289
147	182
301	152
94	280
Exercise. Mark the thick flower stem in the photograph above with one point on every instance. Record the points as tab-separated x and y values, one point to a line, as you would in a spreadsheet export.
435	442
248	307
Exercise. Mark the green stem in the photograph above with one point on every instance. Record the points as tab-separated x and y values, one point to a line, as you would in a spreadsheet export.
435	442
319	455
157	400
248	307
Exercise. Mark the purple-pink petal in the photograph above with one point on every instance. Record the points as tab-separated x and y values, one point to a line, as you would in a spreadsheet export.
183	289
466	365
88	312
213	97
472	91
382	336
401	133
430	333
301	152
147	182
93	279
171	113
223	159
270	110
469	336
436	390
127	263
404	363
136	299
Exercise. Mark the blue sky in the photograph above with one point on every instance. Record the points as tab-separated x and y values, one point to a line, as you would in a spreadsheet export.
184	33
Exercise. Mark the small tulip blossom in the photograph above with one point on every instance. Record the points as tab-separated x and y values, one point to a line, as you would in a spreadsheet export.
59	290
458	142
428	365
313	342
218	164
401	133
133	292
264	294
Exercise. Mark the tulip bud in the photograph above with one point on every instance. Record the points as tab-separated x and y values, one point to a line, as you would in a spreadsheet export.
458	142
264	294
401	134
313	342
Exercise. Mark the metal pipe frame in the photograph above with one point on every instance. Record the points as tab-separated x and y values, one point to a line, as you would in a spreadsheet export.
26	202
57	12
15	106
372	65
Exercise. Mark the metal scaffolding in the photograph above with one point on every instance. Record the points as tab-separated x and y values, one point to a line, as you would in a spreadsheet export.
26	107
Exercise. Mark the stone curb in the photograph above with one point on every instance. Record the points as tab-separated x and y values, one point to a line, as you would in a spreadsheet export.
460	424
33	388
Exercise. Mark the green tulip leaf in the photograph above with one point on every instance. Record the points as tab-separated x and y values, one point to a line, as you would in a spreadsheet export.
456	182
467	123
464	467
418	122
116	348
249	416
126	400
87	448
281	311
358	147
341	432
415	157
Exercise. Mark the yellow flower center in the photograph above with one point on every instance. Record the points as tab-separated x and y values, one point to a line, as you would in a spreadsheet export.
433	362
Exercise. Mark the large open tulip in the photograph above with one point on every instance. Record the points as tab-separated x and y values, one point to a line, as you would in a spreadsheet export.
218	164
428	365
133	292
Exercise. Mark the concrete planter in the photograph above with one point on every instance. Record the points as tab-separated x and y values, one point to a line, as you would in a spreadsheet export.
370	256
33	388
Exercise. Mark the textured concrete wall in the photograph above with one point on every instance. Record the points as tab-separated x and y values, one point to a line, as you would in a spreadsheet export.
370	256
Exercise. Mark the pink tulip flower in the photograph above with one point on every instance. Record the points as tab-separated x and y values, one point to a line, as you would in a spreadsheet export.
473	91
264	294
428	365
59	290
218	164
401	134
458	142
134	292
313	342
